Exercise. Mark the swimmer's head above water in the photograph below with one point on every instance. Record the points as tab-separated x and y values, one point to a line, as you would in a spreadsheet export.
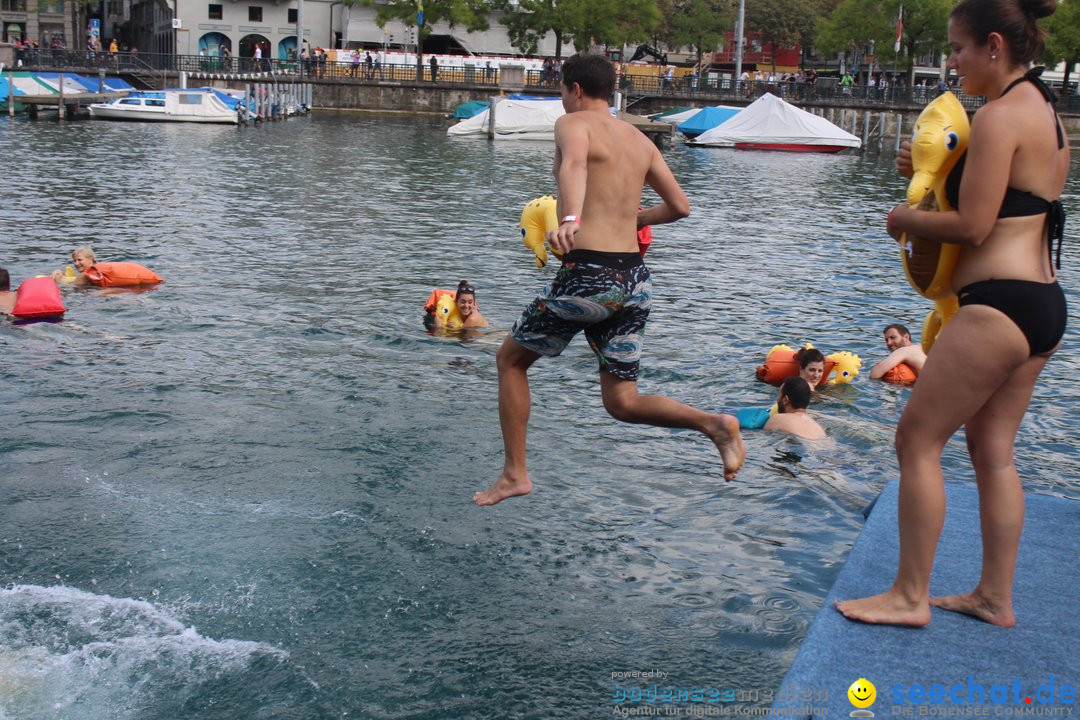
811	365
465	298
83	258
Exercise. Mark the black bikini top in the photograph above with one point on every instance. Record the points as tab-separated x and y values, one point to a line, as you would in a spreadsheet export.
1022	203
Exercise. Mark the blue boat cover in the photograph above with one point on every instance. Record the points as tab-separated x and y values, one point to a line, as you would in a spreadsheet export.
706	119
467	110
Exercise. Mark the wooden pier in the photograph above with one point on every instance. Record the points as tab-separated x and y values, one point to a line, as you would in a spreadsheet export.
67	104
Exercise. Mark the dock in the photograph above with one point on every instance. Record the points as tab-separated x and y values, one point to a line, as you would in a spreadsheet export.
69	103
956	665
653	129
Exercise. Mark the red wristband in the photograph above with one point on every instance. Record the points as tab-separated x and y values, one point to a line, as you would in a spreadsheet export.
570	218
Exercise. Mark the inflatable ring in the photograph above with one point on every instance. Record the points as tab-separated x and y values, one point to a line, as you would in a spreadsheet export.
939	141
38	298
780	363
121	274
540	215
442	310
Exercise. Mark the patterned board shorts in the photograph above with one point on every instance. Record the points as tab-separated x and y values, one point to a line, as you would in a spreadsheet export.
608	295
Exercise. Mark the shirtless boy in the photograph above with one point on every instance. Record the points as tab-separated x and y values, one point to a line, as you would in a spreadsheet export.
7	298
603	288
793	399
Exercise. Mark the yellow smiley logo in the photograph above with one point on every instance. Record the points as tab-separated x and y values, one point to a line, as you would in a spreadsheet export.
862	693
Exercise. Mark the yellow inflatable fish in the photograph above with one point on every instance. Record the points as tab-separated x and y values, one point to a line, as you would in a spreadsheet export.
940	139
447	314
537	218
846	367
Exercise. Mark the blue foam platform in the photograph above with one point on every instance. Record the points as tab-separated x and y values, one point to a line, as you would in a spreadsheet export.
965	658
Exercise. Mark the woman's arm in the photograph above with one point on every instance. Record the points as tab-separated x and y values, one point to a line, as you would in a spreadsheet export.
982	189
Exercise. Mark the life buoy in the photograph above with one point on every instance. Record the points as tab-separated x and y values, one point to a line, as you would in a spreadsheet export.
540	215
902	374
442	309
780	363
121	274
38	298
940	139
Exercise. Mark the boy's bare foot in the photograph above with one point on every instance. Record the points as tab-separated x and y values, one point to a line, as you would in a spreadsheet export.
977	606
728	441
888	608
503	488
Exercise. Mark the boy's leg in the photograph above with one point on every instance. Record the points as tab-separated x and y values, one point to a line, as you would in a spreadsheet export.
513	362
622	401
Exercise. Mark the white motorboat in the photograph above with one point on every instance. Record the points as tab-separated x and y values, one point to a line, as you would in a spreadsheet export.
202	105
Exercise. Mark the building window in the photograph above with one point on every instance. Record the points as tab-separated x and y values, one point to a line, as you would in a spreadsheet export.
292	16
13	5
214	12
255	13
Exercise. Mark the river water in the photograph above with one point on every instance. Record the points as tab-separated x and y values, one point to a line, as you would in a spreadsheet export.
246	493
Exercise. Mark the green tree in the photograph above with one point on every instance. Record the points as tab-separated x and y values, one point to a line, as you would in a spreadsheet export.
1063	41
697	24
580	22
855	24
528	23
782	23
470	14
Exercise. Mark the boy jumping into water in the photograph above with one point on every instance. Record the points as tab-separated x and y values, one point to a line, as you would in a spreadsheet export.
603	288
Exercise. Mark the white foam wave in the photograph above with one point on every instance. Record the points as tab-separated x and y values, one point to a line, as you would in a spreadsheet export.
69	653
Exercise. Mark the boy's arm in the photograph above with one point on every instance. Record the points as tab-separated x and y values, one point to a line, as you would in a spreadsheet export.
571	174
674	206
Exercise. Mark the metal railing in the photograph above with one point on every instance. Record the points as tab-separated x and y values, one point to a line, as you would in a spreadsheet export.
691	88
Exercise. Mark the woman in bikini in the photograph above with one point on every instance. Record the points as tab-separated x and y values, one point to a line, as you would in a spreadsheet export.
984	365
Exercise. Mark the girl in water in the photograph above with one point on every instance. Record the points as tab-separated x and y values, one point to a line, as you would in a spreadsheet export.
984	365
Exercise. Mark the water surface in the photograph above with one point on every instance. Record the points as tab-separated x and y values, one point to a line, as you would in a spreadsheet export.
246	493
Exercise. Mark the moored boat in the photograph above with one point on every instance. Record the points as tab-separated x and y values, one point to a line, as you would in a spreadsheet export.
201	105
769	123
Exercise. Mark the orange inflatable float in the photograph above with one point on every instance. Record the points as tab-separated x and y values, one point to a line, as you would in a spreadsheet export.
37	299
780	363
902	374
121	274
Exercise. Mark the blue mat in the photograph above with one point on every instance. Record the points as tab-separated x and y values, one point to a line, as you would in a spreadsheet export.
947	667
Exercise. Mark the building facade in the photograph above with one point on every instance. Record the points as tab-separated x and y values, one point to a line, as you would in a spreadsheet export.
48	23
241	26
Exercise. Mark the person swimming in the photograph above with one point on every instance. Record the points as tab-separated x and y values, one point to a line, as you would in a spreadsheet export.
465	299
811	366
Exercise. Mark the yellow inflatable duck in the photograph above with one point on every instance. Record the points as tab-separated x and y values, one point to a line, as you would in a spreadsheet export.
537	218
939	141
447	314
847	366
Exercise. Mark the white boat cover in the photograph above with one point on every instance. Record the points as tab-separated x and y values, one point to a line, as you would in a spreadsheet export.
197	102
771	121
515	120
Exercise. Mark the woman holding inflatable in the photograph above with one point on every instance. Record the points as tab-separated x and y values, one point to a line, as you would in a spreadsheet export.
983	367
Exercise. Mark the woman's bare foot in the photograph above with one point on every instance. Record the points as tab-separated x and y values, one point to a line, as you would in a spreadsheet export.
888	608
725	435
503	488
978	606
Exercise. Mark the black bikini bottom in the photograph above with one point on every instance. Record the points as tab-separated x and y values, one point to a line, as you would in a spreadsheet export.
1038	309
